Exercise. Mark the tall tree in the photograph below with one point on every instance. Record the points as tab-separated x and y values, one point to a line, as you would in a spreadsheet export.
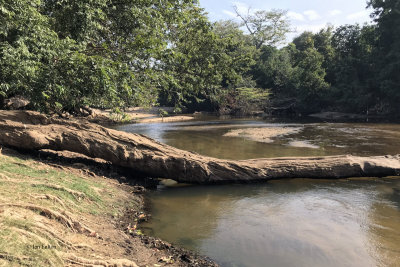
311	84
353	68
387	15
274	70
266	27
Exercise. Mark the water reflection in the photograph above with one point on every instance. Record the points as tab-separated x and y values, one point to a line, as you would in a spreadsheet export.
300	222
314	139
284	223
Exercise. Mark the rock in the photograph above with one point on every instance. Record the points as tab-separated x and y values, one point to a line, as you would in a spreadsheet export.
16	102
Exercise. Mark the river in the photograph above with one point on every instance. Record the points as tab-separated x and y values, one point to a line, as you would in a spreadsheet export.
294	222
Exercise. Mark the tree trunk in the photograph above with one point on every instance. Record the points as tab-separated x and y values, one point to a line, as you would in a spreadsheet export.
34	131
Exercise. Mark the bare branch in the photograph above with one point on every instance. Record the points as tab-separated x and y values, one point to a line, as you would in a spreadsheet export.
245	21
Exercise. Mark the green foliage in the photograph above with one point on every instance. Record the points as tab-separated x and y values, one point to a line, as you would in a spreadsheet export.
266	27
352	68
162	112
387	16
66	54
244	98
274	70
238	49
63	55
311	82
250	99
190	66
120	116
202	61
342	69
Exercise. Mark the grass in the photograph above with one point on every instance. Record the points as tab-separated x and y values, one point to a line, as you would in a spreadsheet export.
24	247
25	181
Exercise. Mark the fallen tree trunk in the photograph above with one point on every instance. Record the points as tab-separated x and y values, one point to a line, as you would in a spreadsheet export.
34	131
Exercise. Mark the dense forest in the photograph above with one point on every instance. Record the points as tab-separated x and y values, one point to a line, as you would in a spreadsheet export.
64	55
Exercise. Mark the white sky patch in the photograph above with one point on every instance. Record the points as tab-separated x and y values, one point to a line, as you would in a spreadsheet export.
245	9
295	16
304	15
310	27
358	15
229	13
312	15
242	7
335	12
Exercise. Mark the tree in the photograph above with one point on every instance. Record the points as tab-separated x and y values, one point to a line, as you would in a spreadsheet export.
310	74
238	48
204	60
323	44
265	27
274	70
66	54
353	68
27	46
387	16
194	65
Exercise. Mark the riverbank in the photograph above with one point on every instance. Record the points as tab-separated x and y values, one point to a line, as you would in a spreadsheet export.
66	209
138	115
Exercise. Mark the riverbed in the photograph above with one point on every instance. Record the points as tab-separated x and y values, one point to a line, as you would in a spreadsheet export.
297	222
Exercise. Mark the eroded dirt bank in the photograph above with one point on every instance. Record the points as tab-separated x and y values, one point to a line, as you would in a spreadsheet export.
66	209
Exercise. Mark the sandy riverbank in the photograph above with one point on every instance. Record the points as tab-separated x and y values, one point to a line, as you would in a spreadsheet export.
265	134
142	115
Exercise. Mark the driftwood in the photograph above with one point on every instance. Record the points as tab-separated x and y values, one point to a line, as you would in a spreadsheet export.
34	131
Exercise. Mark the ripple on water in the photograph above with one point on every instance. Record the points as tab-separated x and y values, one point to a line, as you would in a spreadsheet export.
352	222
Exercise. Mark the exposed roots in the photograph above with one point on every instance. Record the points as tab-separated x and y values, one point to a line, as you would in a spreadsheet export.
31	235
83	246
56	200
50	233
3	176
76	194
73	259
12	258
50	197
61	217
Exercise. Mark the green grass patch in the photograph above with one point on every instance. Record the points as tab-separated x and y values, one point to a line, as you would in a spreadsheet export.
26	249
26	181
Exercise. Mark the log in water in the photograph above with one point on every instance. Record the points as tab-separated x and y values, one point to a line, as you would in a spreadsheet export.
35	131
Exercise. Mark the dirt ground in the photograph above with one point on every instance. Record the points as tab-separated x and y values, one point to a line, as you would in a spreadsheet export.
65	209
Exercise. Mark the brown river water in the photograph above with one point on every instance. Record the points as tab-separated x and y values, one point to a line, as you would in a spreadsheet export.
294	222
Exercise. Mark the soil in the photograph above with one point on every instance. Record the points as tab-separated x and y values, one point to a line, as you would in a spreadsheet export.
110	241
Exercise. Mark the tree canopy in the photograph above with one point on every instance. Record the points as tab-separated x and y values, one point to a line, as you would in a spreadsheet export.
63	55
